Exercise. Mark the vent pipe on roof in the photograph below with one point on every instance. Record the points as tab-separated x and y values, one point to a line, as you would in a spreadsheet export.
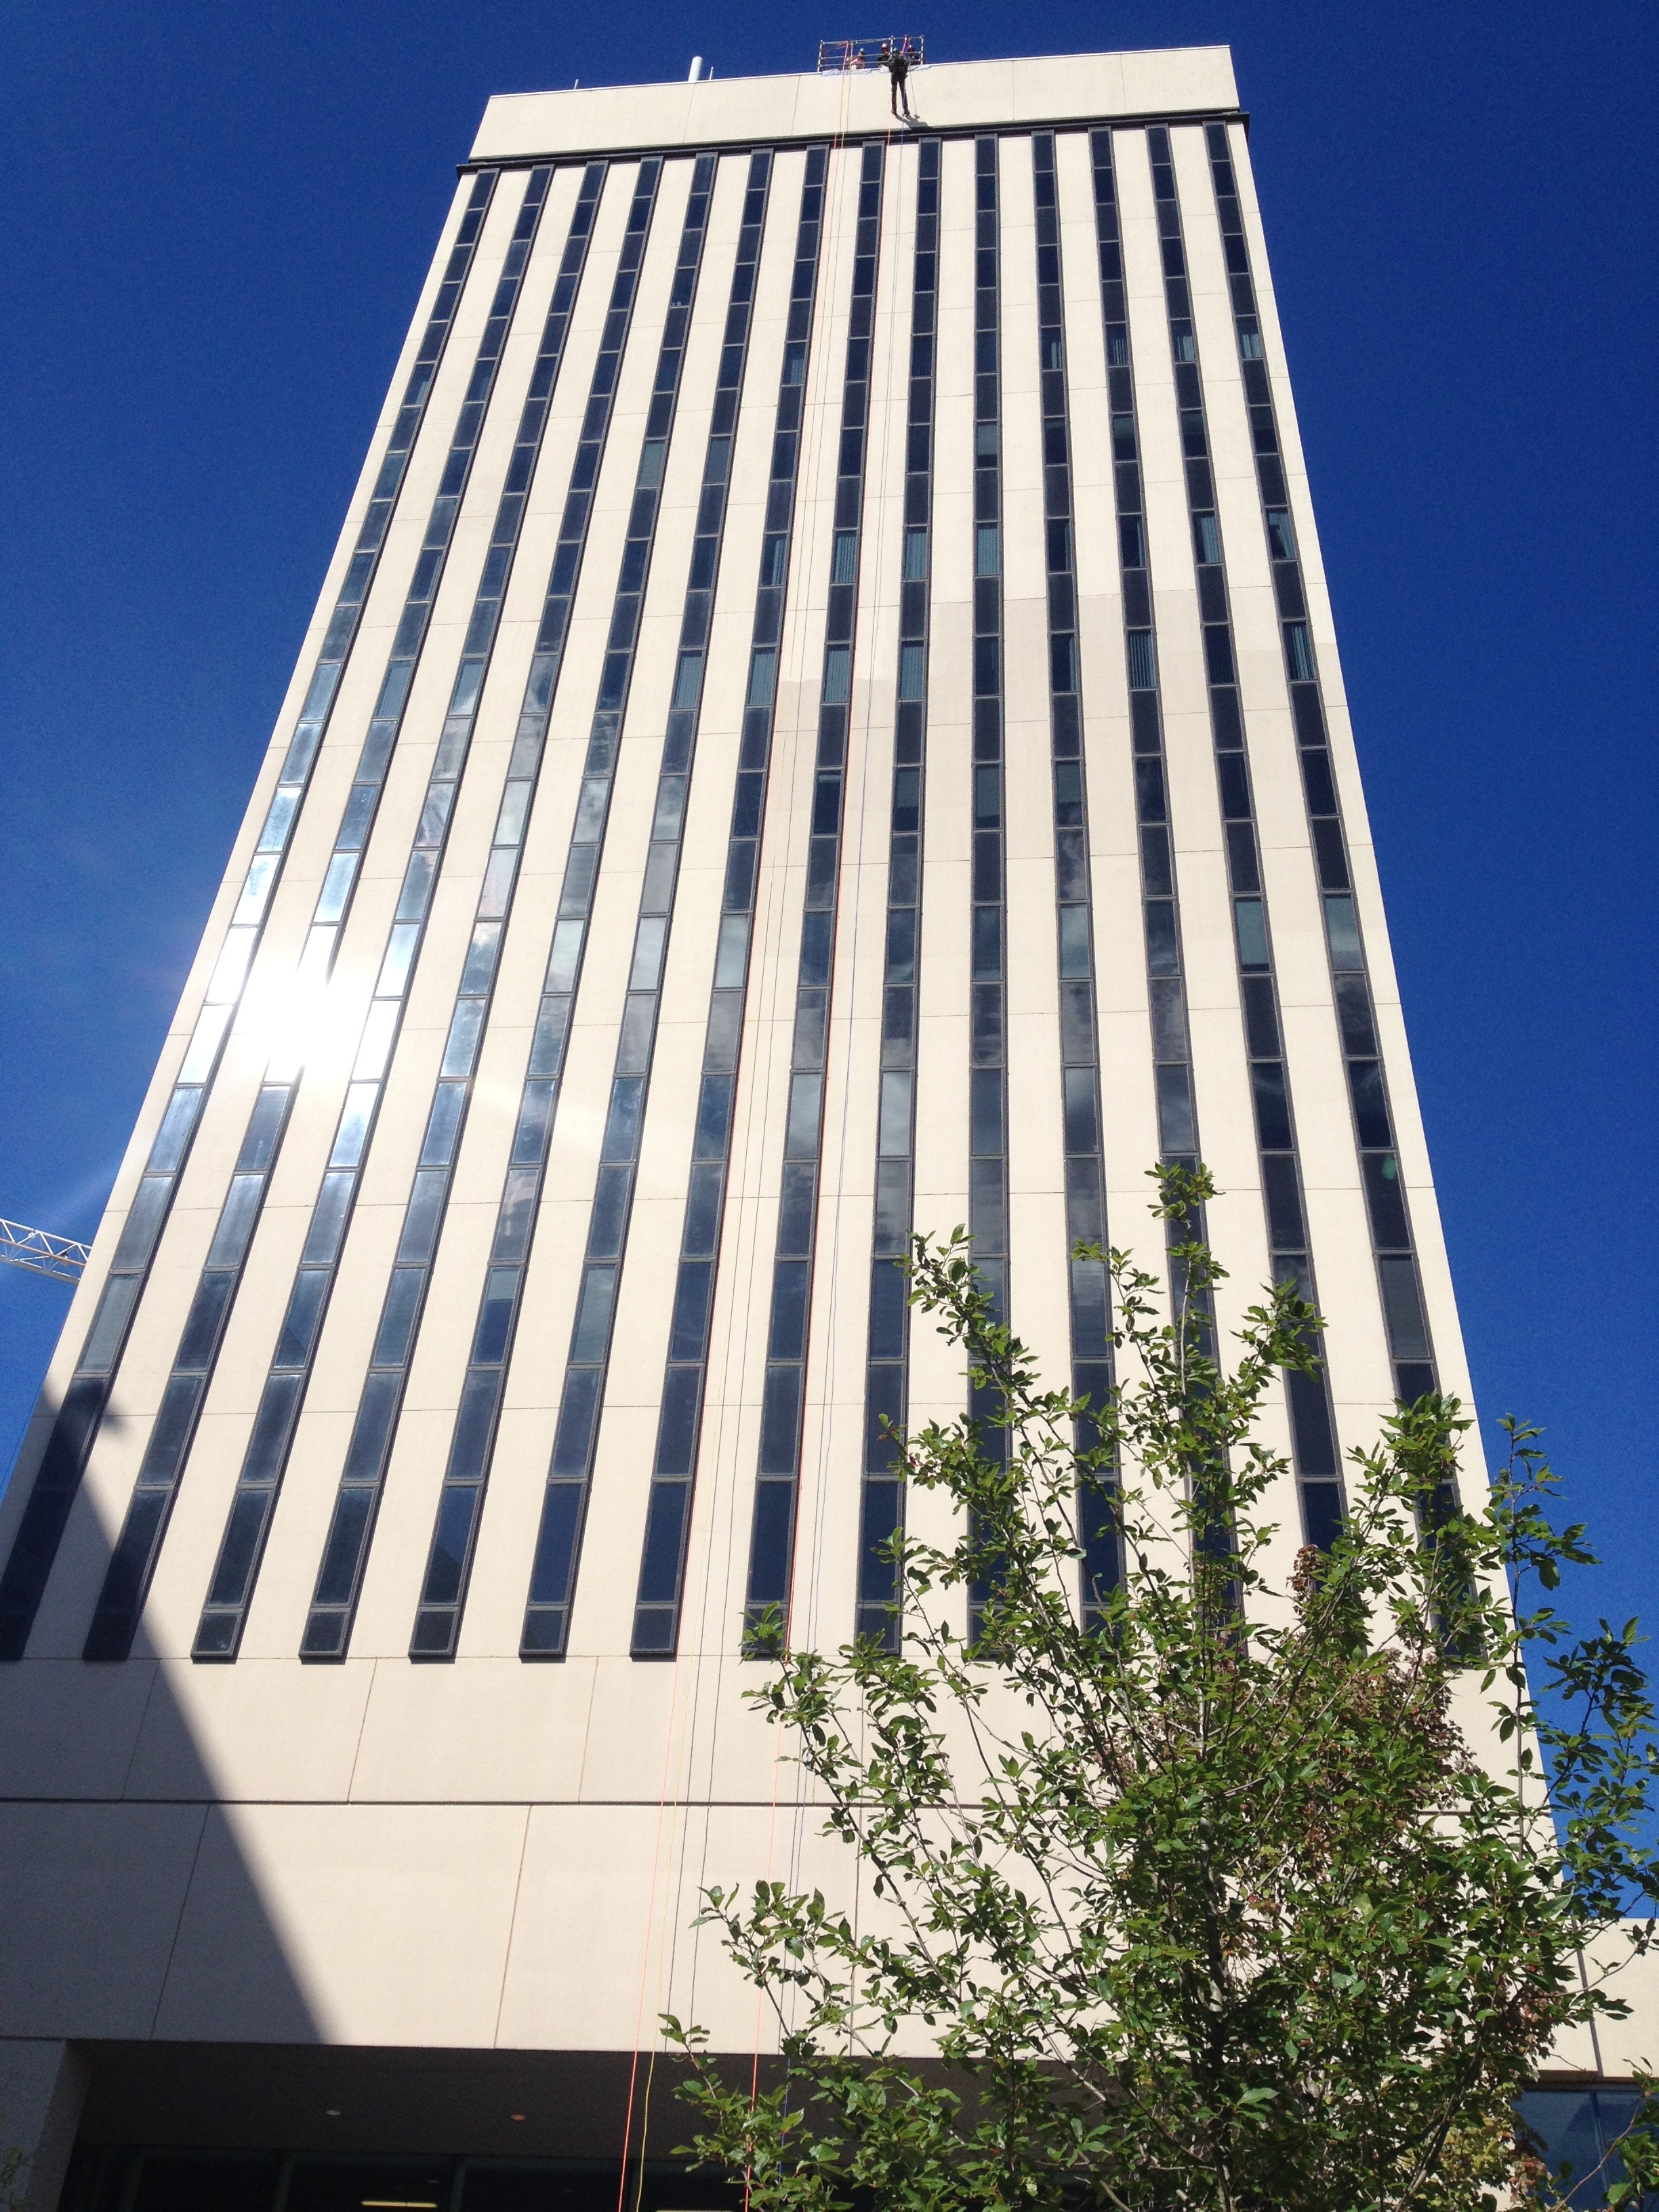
693	75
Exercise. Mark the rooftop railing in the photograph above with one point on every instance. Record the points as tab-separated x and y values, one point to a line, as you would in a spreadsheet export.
837	54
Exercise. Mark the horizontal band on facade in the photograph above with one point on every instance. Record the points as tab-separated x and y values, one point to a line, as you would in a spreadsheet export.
782	140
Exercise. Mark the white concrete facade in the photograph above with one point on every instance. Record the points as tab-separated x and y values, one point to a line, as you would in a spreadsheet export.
418	1899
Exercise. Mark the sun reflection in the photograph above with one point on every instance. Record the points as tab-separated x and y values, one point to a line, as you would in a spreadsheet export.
299	1020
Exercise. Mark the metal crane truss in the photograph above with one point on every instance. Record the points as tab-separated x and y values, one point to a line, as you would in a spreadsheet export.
42	1253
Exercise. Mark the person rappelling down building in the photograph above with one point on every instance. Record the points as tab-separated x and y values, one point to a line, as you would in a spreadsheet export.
895	60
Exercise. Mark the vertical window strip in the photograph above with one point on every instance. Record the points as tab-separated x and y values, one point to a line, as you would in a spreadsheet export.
266	1458
668	1504
886	1385
660	1606
1080	1035
1166	987
1313	1428
1399	1281
772	1537
438	1616
987	1171
69	1447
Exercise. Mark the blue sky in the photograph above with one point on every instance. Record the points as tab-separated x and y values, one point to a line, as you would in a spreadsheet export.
218	220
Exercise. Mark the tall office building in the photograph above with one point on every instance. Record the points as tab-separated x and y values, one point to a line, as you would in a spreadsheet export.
824	723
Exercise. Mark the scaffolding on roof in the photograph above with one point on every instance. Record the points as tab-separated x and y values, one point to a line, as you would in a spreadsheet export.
837	54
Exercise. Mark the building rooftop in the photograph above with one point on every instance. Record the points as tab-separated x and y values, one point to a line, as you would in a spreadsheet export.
739	111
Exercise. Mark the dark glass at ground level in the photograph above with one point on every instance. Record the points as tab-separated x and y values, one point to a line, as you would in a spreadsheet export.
123	2180
1577	2125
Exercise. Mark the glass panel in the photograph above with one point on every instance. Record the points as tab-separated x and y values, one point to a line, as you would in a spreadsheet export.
336	1578
806	1092
702	1208
379	1031
442	1123
732	956
232	965
201	1337
556	1542
265	1127
243	1533
1163	948
304	1307
1322	1507
769	1567
647	952
1249	917
894	1138
495	1316
576	1413
713	1117
780	1420
660	1567
791	1288
883	1517
1342	928
892	1210
198	1064
273	1425
450	1542
1082	1131
677	1435
1371	1105
889	1288
422	1216
1386	1199
1407	1331
621	1132
688	680
1174	1110
1074	940
403	1302
594	1314
1273	1111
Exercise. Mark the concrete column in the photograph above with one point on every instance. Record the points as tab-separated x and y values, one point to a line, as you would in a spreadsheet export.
43	2086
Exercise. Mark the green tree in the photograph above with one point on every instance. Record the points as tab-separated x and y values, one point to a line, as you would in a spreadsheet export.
1203	1895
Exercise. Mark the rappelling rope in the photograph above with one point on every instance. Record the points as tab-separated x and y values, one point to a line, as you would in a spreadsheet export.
878	475
681	1731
